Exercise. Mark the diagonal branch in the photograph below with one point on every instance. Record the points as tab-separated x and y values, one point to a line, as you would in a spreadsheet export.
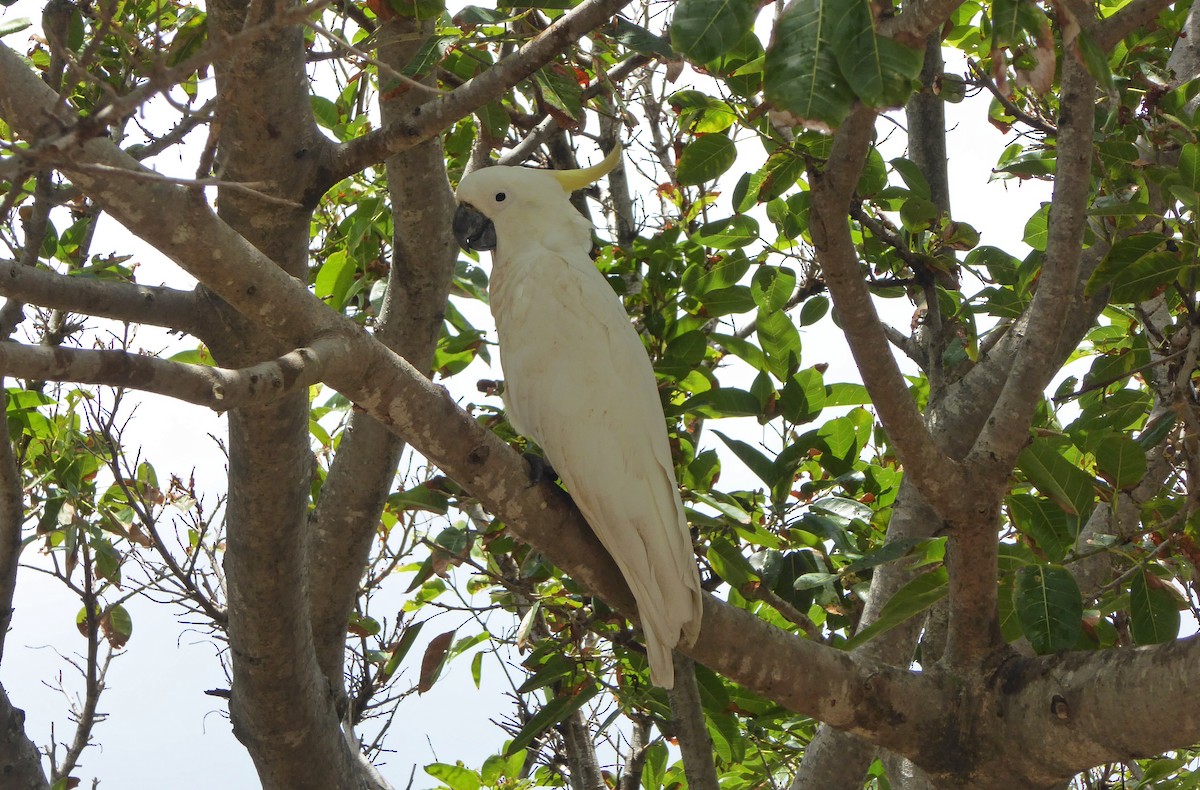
217	388
931	470
142	304
1134	15
428	119
1037	359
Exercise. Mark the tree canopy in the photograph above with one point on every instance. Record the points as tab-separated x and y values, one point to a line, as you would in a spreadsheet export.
975	568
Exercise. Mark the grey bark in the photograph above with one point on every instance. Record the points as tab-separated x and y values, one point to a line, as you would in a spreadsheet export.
20	760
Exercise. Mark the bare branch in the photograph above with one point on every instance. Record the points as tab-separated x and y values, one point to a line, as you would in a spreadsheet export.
548	125
430	118
217	388
143	304
687	715
1006	431
1008	104
832	188
1132	16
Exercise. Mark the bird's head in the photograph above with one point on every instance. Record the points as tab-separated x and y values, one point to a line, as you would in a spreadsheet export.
488	195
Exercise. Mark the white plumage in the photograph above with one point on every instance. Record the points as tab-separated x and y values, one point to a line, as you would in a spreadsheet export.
579	383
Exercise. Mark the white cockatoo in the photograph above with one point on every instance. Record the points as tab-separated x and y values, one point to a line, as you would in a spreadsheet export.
577	381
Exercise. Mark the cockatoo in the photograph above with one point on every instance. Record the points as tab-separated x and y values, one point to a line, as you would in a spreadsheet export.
578	382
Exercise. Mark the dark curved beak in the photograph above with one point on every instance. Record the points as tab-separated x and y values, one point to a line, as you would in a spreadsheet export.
473	230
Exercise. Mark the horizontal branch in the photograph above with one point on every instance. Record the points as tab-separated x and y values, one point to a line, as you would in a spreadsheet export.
217	388
1077	710
141	304
437	114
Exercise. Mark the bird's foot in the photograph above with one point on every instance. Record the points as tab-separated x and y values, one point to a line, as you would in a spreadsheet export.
539	469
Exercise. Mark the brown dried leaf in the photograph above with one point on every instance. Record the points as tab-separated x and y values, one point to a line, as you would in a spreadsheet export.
433	660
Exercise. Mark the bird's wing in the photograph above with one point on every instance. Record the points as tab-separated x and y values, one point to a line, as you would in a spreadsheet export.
579	382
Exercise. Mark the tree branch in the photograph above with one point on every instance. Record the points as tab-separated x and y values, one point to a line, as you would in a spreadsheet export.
217	388
142	304
687	715
832	187
919	20
19	756
422	265
1134	15
1036	360
428	119
12	518
1076	711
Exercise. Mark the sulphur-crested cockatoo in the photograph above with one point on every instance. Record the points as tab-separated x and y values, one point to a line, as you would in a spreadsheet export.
577	381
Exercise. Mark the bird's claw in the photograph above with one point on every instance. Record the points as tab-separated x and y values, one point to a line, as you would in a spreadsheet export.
539	469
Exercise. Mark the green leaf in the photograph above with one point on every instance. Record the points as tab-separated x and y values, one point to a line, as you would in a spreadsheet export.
1049	607
656	765
705	158
803	396
553	712
754	459
772	287
729	233
801	73
428	56
914	597
700	113
334	279
1056	476
1121	460
728	562
780	341
560	90
914	179
918	214
724	301
889	552
456	777
1044	522
1189	166
10	26
814	309
108	561
1153	610
641	40
1141	279
783	168
1037	228
879	70
401	648
723	402
1006	22
117	625
704	30
873	178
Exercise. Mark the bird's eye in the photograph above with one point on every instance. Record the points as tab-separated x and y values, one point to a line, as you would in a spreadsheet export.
501	197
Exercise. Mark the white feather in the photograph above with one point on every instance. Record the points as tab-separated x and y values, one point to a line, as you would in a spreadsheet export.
578	381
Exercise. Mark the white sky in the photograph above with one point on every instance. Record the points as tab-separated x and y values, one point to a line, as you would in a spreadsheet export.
162	730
